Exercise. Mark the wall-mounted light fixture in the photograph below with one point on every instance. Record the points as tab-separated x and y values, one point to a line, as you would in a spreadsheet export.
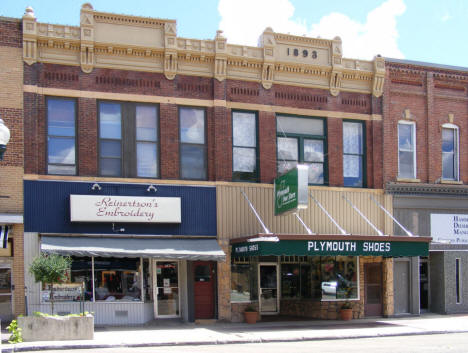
4	138
151	187
96	186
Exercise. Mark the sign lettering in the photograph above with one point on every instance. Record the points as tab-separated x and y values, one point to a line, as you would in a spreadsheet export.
449	228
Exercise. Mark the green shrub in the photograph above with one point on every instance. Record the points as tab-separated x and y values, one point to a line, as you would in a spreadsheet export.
15	331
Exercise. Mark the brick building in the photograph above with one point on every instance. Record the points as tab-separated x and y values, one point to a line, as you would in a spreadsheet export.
140	147
11	170
426	170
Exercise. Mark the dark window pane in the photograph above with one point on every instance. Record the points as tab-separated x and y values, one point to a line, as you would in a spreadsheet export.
110	120
147	163
111	166
243	128
61	150
146	123
406	164
192	160
111	149
448	140
61	117
192	125
244	159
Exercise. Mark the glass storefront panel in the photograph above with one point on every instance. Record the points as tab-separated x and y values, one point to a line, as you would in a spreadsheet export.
167	287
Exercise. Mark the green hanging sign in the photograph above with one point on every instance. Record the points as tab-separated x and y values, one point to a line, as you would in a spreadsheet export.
291	190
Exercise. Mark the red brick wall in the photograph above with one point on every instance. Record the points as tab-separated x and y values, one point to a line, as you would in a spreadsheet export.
218	123
430	94
11	32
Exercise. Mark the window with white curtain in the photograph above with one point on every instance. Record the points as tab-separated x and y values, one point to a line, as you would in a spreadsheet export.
353	154
407	149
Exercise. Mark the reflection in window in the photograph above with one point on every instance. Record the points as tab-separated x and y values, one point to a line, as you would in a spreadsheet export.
301	140
244	146
244	284
450	152
406	150
192	143
61	136
339	278
353	154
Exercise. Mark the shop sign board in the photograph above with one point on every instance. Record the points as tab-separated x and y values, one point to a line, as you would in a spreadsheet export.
125	209
449	228
331	247
291	190
63	292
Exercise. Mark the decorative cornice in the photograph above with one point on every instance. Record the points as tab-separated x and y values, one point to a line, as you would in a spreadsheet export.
108	40
425	189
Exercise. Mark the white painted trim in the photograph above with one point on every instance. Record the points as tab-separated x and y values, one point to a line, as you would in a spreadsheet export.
412	123
7	218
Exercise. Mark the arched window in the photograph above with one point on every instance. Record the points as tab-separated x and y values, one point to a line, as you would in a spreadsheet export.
450	170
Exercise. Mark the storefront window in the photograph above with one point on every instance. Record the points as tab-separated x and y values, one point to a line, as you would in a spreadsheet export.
244	280
339	277
81	272
117	279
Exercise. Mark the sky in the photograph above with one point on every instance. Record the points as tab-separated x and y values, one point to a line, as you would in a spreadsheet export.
431	31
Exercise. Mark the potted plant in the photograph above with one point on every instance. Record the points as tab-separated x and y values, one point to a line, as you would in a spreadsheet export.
346	311
250	314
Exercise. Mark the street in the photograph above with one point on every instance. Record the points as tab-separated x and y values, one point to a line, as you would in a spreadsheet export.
453	343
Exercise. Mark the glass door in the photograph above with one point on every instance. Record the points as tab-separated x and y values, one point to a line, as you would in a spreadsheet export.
167	289
6	312
268	290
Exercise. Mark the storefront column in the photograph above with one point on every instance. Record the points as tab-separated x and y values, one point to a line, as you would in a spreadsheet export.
18	297
224	286
387	274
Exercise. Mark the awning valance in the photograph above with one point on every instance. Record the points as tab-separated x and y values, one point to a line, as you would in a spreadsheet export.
185	249
334	245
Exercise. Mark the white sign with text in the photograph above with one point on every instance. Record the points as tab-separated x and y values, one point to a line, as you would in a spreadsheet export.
124	209
449	228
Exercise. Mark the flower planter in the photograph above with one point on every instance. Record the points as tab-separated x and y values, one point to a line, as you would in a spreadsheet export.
250	317
346	314
56	328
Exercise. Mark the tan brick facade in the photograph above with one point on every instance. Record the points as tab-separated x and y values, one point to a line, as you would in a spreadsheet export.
11	168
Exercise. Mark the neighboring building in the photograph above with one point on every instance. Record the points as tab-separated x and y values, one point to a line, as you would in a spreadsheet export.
12	298
426	169
123	113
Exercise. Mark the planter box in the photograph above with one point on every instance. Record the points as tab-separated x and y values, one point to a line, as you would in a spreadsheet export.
60	328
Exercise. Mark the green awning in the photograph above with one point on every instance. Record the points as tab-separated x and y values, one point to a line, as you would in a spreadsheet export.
334	246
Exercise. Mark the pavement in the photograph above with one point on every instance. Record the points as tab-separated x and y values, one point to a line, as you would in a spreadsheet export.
174	332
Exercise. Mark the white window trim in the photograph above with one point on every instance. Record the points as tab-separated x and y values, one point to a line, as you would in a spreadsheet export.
414	147
457	151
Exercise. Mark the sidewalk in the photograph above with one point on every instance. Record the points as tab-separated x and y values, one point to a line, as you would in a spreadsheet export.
170	332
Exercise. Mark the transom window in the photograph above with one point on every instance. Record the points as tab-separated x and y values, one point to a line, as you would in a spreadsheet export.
353	154
128	139
302	140
449	152
406	150
244	146
61	132
192	143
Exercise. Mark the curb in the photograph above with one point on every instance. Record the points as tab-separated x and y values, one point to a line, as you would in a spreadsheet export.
30	348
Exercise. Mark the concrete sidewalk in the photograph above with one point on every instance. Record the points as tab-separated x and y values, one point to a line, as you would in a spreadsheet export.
170	332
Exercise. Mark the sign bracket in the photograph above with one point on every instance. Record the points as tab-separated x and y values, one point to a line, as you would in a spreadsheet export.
391	216
303	224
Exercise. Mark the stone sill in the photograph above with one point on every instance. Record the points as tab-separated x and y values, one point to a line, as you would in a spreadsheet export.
455	182
408	180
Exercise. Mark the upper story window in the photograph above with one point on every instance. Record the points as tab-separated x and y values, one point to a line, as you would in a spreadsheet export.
407	150
128	140
192	143
353	154
450	170
244	146
302	140
61	132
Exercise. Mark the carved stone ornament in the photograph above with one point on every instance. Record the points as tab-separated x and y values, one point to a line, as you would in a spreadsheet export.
267	75
87	58
170	65
220	70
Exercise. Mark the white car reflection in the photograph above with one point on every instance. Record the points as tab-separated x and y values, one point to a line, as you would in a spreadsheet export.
329	287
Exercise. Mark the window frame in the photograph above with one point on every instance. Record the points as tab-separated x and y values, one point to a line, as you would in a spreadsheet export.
128	140
413	133
75	103
255	175
456	147
458	281
205	144
300	145
363	155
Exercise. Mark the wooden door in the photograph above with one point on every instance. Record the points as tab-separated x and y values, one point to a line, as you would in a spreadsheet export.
204	285
373	289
